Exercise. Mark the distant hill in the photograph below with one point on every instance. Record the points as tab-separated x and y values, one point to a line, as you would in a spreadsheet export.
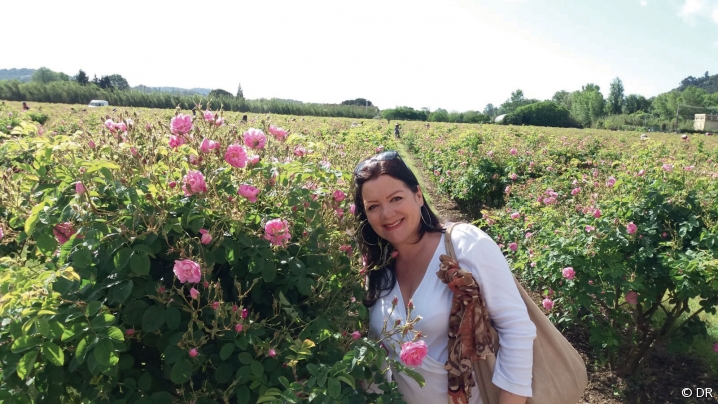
176	90
706	82
16	74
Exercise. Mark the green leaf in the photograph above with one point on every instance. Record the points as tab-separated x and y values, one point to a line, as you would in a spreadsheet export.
92	308
34	217
144	383
153	318
173	353
334	388
82	257
144	248
243	395
257	368
114	333
47	244
245	358
25	343
162	397
122	291
140	263
104	353
55	330
82	348
348	379
172	318
103	320
25	364
226	351
415	375
100	164
53	353
269	271
181	371
121	258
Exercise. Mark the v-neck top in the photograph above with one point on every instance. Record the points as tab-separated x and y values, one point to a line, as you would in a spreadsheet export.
479	254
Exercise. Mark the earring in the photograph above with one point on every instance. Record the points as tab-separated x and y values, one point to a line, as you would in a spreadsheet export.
361	232
427	214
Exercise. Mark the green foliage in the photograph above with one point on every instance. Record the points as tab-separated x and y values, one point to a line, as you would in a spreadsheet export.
405	114
516	101
81	78
635	103
587	105
118	82
546	113
44	75
240	92
362	102
38	117
706	82
219	93
614	104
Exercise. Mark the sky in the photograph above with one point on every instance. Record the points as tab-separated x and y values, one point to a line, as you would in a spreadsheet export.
452	54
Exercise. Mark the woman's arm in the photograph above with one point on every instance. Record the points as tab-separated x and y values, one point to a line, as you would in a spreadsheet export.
510	398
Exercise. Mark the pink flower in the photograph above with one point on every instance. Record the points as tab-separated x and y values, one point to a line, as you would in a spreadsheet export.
206	237
513	151
134	151
300	151
208	116
664	234
193	352
235	308
2	233
278	133
238	328
394	254
187	271
689	168
193	183
631	228
194	160
181	124
176	141
253	159
597	213
379	149
339	195
575	191
110	125
513	246
277	232
91	144
172	184
632	298
130	331
413	353
63	232
641	173
346	249
248	192
589	228
255	139
515	215
194	293
568	273
715	347
208	145
547	303
215	305
513	176
668	167
79	188
356	335
236	156
120	127
245	313
490	153
272	353
352	208
611	182
529	234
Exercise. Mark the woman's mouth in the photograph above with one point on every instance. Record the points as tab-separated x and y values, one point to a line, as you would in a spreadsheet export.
393	226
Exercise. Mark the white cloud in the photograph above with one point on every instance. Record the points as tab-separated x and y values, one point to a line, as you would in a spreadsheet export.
644	3
715	15
693	7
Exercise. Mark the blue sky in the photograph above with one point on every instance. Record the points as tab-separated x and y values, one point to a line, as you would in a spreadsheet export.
452	54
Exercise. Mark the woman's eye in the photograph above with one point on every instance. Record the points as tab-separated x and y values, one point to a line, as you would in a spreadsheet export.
397	198
371	207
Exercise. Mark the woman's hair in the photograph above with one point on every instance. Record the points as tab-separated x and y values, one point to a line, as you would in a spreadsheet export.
373	248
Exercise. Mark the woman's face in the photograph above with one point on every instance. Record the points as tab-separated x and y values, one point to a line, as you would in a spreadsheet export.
392	209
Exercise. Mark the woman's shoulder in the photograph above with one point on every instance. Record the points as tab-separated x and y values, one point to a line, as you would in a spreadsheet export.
468	231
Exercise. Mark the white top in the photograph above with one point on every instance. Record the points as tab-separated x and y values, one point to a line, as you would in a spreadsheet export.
479	254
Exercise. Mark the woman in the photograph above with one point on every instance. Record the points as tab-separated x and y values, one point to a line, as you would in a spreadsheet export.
395	221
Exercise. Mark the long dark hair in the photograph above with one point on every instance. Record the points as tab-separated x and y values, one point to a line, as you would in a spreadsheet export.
373	248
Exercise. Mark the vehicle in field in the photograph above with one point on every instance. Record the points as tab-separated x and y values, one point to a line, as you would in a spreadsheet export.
98	103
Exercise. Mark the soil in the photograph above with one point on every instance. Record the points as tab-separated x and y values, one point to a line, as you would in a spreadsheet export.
661	380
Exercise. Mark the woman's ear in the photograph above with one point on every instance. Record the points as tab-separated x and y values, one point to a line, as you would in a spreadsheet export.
420	194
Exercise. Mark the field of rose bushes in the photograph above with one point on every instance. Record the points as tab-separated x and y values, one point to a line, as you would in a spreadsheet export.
617	233
148	256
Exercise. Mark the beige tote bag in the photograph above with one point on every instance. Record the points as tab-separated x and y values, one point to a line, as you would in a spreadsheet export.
559	374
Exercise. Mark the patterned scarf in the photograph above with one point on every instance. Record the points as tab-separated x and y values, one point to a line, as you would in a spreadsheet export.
469	329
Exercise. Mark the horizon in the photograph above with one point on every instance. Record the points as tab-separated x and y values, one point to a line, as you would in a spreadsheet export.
459	56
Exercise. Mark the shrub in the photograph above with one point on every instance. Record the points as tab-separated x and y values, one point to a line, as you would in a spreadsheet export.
546	113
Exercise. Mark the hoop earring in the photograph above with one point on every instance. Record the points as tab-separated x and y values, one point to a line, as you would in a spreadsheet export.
361	233
427	214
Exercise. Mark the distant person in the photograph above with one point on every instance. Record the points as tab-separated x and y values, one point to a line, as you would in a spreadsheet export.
396	130
244	118
24	106
194	111
426	125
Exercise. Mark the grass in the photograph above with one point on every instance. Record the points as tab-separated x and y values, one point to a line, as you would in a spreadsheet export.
406	156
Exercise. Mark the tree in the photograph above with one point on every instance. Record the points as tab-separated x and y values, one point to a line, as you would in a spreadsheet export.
240	93
219	93
359	101
562	98
665	104
490	110
105	83
588	104
82	78
546	113
44	75
516	100
440	115
118	82
615	97
634	103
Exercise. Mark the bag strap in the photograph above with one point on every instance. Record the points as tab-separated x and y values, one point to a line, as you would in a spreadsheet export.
449	246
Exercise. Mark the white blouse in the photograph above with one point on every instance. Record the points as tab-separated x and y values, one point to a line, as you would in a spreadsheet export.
479	254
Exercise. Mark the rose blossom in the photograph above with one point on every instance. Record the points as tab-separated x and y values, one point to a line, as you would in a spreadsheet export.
63	232
668	167
253	159
238	328
194	293
547	303
589	228
130	331
413	353
568	273
513	151
272	353
187	271
632	297
352	208
181	124
193	183
2	233
79	188
513	246
248	192
236	156
176	141
193	352
278	133
255	139
208	145
339	195
575	191
277	232
356	335
631	228
597	213
208	116
206	237
611	182
515	215
245	313
300	151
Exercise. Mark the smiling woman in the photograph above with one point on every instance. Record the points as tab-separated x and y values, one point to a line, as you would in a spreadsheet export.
402	243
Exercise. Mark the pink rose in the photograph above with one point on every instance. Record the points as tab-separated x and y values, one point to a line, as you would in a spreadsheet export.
278	133
248	192
79	188
575	191
91	144
300	151
515	215
277	232
176	141
63	232
193	183
547	303
206	237
631	228
352	208
611	182
181	124
255	139
529	234
236	156
193	352
490	153
194	293
245	313
253	159
513	246
668	167
238	328
339	195
356	335
272	353
208	145
187	271
513	151
130	331
208	116
715	347
597	213
632	297
589	228
110	125
513	176
215	305
568	273
413	353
